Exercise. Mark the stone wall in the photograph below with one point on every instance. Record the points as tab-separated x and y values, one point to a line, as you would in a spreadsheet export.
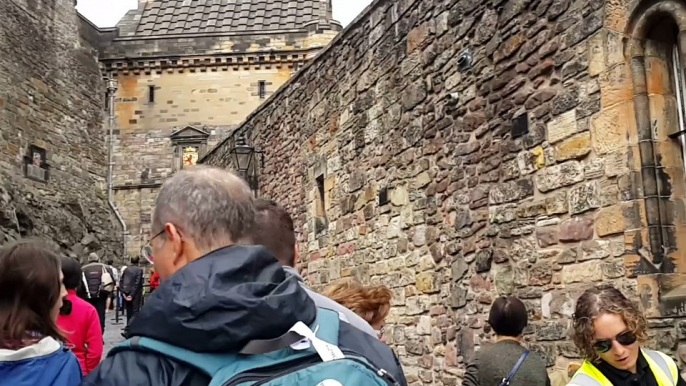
208	83
51	97
452	185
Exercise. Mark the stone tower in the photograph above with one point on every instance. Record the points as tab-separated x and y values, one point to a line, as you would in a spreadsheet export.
189	71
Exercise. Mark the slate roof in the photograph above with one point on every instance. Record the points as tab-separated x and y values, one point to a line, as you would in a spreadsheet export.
167	17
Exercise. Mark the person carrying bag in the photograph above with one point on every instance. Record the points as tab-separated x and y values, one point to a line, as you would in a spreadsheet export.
508	318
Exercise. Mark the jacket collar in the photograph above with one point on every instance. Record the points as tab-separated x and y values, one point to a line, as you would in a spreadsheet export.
45	346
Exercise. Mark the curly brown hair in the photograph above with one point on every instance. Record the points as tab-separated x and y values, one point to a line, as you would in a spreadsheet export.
600	300
370	303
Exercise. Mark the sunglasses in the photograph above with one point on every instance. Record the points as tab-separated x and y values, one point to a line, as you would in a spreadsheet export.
625	339
146	250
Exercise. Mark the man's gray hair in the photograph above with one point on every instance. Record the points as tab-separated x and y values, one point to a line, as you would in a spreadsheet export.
212	206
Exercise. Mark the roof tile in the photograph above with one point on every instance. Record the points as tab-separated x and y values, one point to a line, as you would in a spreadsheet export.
161	17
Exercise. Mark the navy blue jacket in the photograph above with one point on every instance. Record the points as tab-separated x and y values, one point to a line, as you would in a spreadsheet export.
219	303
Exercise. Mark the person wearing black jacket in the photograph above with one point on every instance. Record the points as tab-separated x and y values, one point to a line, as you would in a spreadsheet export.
215	296
131	287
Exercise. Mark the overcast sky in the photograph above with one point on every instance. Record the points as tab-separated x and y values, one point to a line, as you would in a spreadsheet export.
106	13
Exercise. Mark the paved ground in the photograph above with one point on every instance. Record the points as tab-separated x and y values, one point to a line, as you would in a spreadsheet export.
113	331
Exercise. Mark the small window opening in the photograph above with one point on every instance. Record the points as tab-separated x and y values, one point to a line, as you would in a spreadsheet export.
321	203
262	89
151	94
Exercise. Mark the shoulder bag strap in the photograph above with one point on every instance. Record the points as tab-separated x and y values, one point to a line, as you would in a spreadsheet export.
506	381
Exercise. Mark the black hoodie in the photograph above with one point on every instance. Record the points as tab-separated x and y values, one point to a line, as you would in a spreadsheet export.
218	303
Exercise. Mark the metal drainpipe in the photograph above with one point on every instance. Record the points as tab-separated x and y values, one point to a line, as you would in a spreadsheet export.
111	90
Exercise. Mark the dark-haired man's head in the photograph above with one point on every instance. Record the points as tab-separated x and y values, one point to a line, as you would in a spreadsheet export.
508	316
135	260
71	269
110	262
274	230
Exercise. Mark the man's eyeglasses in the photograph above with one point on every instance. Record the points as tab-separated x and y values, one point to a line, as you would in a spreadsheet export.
626	338
146	250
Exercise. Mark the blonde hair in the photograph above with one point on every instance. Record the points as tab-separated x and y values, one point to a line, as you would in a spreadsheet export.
371	303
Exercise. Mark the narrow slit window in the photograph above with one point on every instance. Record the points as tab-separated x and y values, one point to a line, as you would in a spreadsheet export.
321	205
262	89
151	94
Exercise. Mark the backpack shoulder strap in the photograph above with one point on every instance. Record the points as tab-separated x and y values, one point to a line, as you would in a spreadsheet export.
513	372
209	364
217	365
326	327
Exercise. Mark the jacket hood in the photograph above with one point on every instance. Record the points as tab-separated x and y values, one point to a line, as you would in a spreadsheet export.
46	362
223	300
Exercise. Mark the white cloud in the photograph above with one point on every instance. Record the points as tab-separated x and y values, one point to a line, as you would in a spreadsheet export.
106	13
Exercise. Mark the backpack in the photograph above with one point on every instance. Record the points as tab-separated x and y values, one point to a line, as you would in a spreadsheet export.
106	280
300	357
92	279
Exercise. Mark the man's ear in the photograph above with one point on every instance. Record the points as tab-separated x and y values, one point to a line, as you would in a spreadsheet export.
296	256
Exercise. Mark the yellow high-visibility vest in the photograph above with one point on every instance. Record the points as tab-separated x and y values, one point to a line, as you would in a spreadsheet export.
663	367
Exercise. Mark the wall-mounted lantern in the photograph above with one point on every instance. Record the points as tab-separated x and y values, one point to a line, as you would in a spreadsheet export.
247	161
465	60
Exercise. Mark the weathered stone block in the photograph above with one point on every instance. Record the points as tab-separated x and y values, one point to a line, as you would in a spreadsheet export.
551	330
616	85
587	272
422	180
502	214
574	147
509	47
610	221
531	208
483	260
614	269
560	175
503	279
511	191
458	269
609	128
557	203
562	127
576	229
458	297
541	273
413	95
426	282
567	256
584	197
547	236
595	249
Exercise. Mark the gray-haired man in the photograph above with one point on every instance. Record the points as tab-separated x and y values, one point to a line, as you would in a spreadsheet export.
215	295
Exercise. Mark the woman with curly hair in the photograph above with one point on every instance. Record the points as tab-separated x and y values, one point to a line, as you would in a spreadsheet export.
371	303
609	330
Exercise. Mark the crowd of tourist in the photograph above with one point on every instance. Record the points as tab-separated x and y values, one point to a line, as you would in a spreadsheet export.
228	307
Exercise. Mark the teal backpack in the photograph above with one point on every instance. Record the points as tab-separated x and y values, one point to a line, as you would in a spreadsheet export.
304	356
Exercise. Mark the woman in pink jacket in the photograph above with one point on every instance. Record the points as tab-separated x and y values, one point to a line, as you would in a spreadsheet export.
79	320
